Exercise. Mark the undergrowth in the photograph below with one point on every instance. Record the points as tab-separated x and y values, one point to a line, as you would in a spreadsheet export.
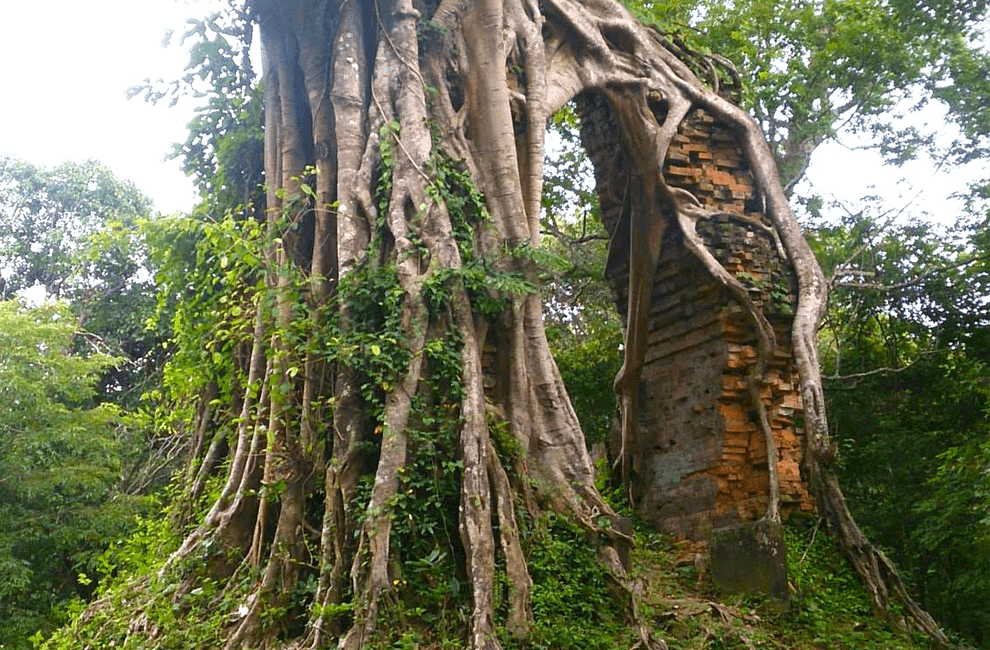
828	607
576	604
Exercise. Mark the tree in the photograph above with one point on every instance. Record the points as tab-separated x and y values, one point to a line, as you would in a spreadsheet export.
403	161
904	350
59	467
72	232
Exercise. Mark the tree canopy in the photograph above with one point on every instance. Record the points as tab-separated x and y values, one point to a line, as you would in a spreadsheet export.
815	71
72	233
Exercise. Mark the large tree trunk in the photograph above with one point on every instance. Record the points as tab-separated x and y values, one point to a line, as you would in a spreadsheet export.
404	153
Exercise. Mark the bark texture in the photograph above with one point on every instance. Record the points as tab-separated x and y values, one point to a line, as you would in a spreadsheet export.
372	108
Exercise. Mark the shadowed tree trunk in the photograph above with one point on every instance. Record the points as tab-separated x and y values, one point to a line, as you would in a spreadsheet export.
404	154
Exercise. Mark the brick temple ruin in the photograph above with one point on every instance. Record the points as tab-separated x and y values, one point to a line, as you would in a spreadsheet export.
701	460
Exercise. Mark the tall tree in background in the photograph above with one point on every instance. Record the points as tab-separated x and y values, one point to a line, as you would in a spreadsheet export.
72	233
74	469
403	156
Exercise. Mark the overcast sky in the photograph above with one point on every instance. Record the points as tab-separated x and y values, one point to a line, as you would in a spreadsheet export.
67	67
69	63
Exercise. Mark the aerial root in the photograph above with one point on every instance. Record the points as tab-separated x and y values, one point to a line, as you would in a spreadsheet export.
689	212
520	617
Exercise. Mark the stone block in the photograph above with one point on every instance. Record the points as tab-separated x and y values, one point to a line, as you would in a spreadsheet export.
750	558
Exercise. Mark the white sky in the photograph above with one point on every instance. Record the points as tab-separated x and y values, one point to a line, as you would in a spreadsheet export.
920	188
69	63
67	66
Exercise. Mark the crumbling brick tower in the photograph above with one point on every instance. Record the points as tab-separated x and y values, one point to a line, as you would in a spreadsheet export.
700	456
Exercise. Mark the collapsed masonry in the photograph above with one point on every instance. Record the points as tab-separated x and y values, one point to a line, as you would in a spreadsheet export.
700	460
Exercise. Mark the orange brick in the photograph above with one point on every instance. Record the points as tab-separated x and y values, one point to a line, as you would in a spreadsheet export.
792	400
719	177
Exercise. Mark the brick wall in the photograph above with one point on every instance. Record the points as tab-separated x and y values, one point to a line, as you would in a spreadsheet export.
701	458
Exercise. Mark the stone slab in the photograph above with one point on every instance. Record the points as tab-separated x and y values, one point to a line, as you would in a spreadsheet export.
750	558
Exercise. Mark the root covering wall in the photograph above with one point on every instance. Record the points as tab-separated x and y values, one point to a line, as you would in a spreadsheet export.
700	459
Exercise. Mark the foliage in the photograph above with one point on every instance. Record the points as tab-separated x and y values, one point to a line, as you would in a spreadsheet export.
905	349
223	151
952	538
74	233
826	585
58	225
135	595
931	512
830	607
575	608
588	360
208	275
59	467
575	292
